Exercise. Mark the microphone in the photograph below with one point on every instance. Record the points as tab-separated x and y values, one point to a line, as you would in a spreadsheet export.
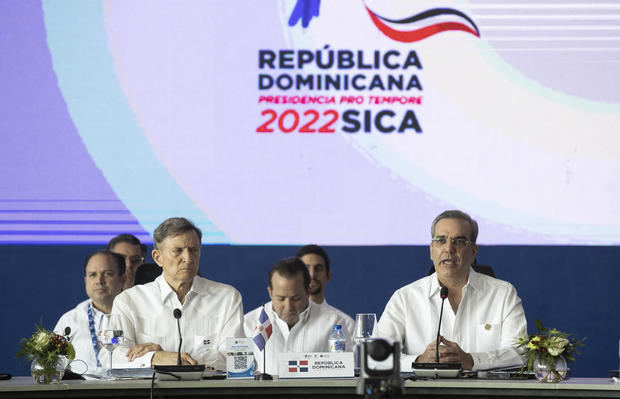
443	294
177	315
437	369
179	372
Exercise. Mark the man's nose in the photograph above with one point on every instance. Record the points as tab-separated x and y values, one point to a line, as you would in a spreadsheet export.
450	246
101	278
186	255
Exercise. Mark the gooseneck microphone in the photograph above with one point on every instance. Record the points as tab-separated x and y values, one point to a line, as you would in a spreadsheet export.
437	369
444	294
177	315
178	372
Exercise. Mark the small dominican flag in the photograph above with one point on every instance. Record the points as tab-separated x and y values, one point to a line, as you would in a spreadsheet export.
263	330
295	366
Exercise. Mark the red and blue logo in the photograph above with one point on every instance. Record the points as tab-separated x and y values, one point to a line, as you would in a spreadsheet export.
425	24
297	366
407	30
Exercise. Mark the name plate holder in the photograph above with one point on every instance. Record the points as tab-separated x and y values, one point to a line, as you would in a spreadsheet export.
239	358
316	365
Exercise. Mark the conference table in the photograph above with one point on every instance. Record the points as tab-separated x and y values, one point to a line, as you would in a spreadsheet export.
25	387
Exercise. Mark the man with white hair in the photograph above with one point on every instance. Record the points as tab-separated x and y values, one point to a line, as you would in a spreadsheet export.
210	311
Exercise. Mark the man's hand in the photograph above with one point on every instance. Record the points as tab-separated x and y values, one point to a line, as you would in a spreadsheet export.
142	349
449	352
170	359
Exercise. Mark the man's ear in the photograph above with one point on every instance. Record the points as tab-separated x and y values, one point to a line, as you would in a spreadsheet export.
156	257
269	291
474	248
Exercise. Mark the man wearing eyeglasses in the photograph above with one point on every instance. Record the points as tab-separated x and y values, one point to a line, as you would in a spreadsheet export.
130	247
482	315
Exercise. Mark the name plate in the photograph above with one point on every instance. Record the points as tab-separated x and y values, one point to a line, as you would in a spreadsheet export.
239	358
315	365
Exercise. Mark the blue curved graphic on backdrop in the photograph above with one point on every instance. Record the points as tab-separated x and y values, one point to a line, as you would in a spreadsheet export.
304	10
76	38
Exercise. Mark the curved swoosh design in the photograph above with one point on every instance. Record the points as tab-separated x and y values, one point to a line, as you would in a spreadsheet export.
426	31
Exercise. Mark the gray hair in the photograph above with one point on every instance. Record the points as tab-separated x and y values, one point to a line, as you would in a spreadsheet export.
455	214
173	227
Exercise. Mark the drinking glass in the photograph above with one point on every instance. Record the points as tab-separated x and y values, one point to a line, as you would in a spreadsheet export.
364	331
110	335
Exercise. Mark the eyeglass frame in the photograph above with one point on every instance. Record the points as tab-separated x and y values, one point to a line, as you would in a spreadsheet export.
457	242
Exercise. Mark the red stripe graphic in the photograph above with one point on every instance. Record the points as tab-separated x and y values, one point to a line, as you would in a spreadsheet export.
419	34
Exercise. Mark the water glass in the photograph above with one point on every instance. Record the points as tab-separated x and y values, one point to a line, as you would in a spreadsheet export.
110	335
364	331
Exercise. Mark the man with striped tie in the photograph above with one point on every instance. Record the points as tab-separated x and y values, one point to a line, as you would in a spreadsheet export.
296	323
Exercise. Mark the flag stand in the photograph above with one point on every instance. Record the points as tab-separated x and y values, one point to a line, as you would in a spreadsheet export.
264	376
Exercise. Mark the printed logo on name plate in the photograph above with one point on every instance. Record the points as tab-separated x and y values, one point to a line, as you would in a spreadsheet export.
297	366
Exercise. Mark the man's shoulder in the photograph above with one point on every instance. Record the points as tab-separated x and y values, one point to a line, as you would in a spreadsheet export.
215	285
139	291
254	313
78	309
489	284
250	320
338	312
216	288
73	315
324	312
420	285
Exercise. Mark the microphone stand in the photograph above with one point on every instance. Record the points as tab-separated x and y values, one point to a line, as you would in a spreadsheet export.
177	315
438	369
180	371
444	294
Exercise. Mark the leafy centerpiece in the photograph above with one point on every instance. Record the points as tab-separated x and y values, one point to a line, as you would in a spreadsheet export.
547	352
50	354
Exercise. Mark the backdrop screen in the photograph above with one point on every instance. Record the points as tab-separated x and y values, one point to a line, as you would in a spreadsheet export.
285	122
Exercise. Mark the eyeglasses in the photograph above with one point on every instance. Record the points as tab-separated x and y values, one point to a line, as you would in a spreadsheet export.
458	243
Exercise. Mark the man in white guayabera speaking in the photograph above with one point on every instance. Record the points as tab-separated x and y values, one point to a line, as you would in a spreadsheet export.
210	311
482	318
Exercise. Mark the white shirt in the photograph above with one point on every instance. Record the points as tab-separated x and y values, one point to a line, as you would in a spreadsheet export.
349	323
489	319
310	334
211	313
77	320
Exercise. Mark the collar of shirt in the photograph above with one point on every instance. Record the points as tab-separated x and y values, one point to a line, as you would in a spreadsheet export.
168	294
472	281
283	326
